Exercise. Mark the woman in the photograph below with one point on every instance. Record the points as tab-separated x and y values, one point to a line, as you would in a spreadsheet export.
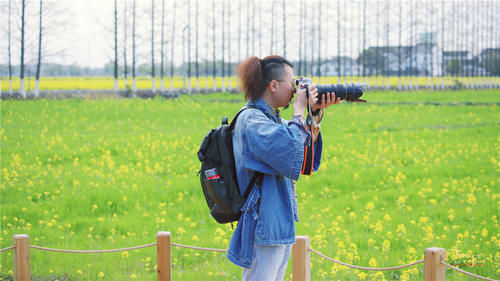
264	142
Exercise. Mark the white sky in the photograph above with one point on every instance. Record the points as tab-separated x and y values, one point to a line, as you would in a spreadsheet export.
87	33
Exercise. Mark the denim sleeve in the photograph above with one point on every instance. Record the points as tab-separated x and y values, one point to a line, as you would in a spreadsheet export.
297	121
272	148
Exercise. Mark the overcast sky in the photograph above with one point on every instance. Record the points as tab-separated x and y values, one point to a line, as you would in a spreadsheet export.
81	31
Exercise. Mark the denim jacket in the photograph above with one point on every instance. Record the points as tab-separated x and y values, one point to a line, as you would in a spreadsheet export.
275	148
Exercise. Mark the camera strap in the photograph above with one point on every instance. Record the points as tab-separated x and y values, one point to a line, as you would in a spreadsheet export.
307	166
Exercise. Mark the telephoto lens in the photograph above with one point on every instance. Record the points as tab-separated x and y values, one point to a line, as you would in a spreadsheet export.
349	92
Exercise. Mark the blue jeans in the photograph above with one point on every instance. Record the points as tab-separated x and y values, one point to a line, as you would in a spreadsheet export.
269	263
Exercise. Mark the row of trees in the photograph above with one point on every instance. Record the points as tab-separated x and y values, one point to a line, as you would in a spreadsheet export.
340	38
415	51
48	18
221	12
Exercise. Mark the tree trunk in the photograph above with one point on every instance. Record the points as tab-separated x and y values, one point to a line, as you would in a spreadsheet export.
432	45
9	52
413	47
172	48
312	41
271	42
259	23
134	89
197	61
22	90
37	75
189	46
442	44
223	47
345	44
491	28
377	53
318	70
115	88
229	47
338	42
426	62
301	28
387	49
284	28
253	28
162	54
359	73
184	58
239	30
125	16
153	75
351	41
248	28
400	42
207	49
214	68
364	40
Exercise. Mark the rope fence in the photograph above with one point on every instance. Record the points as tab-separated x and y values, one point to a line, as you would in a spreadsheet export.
434	258
467	273
364	267
199	248
93	251
6	249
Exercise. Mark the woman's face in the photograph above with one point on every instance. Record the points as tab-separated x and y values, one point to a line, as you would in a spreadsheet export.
286	88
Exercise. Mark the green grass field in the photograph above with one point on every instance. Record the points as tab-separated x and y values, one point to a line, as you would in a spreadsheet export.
398	175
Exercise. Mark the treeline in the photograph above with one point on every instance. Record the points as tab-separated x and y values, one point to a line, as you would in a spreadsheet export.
54	69
192	38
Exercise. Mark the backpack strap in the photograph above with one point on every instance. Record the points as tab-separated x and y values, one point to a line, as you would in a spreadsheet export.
258	176
233	122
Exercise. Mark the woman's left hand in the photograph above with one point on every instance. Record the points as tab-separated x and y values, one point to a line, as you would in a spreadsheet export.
327	100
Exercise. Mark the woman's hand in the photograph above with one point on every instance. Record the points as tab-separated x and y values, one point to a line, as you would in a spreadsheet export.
327	100
301	99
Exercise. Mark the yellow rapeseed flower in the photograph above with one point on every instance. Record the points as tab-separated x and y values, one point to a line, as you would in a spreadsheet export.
386	245
370	206
362	276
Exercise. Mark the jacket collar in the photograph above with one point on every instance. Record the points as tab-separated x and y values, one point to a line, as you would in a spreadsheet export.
268	110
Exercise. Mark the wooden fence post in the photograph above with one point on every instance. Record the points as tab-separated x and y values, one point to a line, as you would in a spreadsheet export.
22	257
433	269
301	257
163	256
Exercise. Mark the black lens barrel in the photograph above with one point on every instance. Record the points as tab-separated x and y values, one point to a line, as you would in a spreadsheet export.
343	91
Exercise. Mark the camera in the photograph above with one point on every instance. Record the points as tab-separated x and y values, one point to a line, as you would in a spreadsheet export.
349	92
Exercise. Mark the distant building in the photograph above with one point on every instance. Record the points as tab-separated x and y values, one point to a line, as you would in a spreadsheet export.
330	67
425	58
462	57
486	57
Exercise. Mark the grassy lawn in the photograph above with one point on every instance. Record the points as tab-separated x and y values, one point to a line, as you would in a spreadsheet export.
398	175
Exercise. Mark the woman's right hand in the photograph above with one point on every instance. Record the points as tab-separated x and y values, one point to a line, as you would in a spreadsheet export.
301	100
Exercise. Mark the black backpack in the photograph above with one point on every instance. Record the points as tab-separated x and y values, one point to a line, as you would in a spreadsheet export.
218	173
